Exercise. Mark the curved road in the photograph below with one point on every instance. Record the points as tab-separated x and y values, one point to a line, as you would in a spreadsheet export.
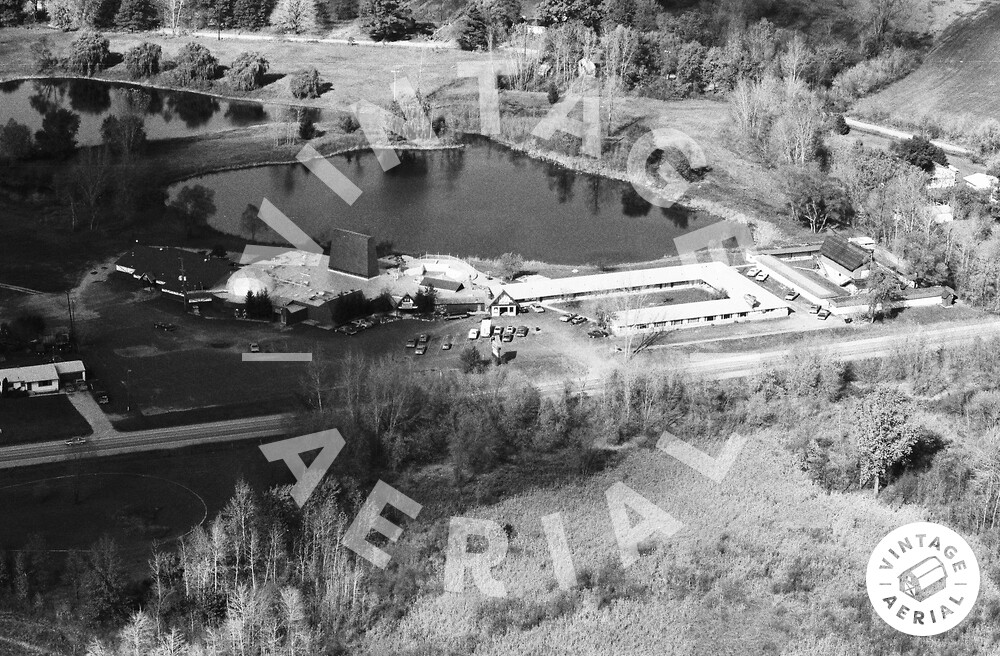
707	366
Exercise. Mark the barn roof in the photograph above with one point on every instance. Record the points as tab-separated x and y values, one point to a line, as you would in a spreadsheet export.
842	252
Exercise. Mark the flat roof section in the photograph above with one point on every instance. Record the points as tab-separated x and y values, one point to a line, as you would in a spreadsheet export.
805	280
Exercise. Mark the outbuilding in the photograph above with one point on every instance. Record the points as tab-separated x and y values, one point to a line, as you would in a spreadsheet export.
504	305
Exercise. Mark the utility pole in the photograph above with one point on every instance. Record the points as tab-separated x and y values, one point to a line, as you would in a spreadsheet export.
128	391
183	278
394	72
72	325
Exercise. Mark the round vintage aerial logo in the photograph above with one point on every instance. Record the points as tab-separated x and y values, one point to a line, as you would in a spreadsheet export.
923	579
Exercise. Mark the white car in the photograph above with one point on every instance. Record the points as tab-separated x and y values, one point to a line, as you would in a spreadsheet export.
752	272
537	308
254	347
761	277
473	333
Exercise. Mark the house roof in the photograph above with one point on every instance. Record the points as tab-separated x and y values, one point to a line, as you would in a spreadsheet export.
163	266
840	251
503	299
71	367
441	283
981	181
33	374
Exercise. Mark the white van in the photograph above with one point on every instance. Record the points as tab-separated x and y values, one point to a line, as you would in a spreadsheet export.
486	328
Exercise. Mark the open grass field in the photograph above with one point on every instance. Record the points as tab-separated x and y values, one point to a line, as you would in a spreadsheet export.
958	77
39	419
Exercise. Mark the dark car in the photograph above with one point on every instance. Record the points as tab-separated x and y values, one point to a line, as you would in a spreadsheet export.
411	343
101	397
596	334
578	321
423	339
522	331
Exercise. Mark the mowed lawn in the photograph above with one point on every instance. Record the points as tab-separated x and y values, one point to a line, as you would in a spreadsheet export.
363	72
958	77
39	419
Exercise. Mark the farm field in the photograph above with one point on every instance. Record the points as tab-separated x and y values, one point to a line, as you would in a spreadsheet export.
958	77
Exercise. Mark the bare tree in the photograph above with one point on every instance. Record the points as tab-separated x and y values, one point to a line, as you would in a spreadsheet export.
620	47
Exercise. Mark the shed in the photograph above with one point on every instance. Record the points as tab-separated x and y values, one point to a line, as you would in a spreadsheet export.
843	261
504	305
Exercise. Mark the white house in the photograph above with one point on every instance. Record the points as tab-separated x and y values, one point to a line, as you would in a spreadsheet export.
943	177
42	378
981	181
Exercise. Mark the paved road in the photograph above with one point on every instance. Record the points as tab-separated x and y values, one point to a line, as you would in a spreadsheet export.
892	133
23	290
149	440
715	366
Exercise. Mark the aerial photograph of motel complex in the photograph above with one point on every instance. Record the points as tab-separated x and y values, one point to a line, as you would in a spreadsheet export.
499	327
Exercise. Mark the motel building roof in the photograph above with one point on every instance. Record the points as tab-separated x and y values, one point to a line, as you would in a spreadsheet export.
715	274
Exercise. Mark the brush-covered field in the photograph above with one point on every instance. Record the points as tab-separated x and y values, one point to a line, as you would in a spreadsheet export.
766	563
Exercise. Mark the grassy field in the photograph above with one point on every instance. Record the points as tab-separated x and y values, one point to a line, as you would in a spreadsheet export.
39	419
958	77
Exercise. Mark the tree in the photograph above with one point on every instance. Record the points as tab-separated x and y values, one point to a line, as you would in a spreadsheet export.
250	221
15	142
475	32
295	16
840	125
11	13
218	12
510	265
196	66
883	289
920	152
306	84
45	60
250	14
815	199
143	60
57	138
124	135
247	72
388	20
174	12
136	16
89	181
89	53
588	12
195	204
472	361
885	435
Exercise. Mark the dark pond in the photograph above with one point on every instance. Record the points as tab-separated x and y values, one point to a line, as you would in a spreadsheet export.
482	200
167	113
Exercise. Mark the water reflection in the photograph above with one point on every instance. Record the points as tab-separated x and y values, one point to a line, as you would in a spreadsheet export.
88	97
194	109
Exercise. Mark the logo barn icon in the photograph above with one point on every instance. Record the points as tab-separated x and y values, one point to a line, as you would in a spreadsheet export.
923	579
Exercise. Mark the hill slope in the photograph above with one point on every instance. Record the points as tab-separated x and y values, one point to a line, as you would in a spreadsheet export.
958	76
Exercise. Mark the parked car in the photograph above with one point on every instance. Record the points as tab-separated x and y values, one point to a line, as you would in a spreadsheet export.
254	347
508	330
791	296
446	345
76	441
423	339
596	334
814	309
522	331
823	314
848	320
420	350
473	333
752	272
566	318
579	321
411	343
101	397
506	338
537	308
762	276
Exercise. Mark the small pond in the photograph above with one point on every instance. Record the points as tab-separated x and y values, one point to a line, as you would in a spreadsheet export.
480	200
167	114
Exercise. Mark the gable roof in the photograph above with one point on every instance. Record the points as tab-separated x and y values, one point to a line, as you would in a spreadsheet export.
503	298
840	251
441	283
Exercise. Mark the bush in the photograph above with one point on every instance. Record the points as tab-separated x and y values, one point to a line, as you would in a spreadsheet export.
90	53
388	20
472	361
306	84
840	125
553	93
307	125
874	74
143	60
195	66
349	124
11	13
15	141
247	72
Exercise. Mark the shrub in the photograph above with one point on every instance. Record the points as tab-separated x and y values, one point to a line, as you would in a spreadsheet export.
874	74
553	93
306	84
388	20
143	60
11	13
195	66
307	125
472	361
349	124
90	53
439	124
247	72
840	125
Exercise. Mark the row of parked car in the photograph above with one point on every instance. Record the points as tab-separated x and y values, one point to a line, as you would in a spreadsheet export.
820	312
356	326
505	333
